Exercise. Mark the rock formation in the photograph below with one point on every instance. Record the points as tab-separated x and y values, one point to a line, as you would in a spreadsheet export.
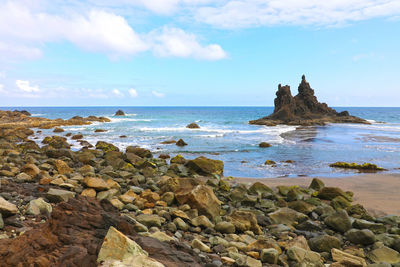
303	109
119	113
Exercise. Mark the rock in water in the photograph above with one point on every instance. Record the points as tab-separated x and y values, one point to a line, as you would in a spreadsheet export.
193	126
181	143
303	109
119	113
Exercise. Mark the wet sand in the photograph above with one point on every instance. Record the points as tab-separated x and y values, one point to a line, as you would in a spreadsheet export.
378	193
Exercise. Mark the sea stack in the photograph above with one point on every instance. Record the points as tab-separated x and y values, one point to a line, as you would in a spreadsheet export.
303	109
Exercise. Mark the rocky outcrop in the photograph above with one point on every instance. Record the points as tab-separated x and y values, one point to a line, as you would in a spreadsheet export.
303	109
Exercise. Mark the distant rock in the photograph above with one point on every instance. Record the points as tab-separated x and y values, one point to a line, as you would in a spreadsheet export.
193	126
303	109
264	144
119	113
181	143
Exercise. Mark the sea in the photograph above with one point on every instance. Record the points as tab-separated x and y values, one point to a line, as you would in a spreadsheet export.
226	135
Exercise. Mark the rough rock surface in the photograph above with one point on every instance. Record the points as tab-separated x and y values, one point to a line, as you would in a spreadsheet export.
303	109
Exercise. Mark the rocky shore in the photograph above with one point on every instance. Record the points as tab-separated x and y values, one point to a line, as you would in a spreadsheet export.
106	207
303	109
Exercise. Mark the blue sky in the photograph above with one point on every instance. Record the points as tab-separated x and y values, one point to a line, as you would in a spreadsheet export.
197	52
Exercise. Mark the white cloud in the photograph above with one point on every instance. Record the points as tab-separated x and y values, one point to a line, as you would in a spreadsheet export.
253	13
359	57
94	31
177	43
133	93
157	94
2	89
117	93
26	87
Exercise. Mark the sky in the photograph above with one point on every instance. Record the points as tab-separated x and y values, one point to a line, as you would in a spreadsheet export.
197	52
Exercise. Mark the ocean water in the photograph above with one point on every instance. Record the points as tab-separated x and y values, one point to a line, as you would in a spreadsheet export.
226	135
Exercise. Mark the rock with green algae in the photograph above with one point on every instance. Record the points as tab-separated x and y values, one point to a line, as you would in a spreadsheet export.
365	166
106	147
206	166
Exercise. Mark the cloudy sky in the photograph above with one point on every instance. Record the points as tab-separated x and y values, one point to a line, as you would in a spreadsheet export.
197	52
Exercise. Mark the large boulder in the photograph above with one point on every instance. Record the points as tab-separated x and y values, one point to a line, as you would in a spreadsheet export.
339	221
324	243
200	197
106	147
363	237
384	254
206	166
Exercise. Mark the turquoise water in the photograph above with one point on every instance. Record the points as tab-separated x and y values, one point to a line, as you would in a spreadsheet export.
226	135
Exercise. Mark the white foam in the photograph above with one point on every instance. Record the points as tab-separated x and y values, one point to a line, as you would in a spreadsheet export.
117	120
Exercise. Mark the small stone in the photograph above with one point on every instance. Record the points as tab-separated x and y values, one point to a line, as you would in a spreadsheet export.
62	167
384	254
347	259
161	236
339	221
59	195
200	245
150	220
7	208
38	206
23	177
89	192
324	243
31	169
287	216
225	227
180	224
117	246
168	197
269	255
117	203
202	221
363	237
96	183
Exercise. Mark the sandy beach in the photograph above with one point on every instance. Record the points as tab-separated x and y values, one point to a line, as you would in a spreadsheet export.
378	193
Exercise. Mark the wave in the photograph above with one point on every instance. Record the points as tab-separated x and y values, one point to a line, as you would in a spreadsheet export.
117	120
275	130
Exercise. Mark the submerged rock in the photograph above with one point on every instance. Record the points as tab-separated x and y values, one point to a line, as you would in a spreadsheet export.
180	142
303	109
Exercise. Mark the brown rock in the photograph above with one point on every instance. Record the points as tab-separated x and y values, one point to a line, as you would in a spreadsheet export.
62	167
202	198
31	169
180	142
244	221
96	183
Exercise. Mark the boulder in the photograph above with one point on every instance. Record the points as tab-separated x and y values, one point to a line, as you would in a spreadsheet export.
287	216
117	246
225	227
59	195
269	255
96	183
384	254
260	189
206	166
62	167
324	243
7	208
304	257
106	147
244	221
139	151
38	206
330	193
31	169
202	198
363	237
316	184
339	221
346	259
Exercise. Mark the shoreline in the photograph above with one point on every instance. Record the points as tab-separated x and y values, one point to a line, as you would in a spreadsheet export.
378	192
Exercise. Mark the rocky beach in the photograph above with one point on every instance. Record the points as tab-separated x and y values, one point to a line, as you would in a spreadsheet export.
102	206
